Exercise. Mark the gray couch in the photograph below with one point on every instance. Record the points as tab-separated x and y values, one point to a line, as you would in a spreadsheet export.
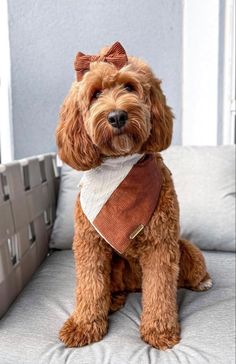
205	184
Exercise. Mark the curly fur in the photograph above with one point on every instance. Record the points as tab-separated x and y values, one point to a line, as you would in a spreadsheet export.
156	262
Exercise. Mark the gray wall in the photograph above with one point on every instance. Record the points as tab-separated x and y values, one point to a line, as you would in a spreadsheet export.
45	37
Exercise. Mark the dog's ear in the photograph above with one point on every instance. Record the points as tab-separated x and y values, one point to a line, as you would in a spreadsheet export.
74	144
161	120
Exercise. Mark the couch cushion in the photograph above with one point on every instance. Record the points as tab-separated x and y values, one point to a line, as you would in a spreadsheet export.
29	330
63	228
204	178
205	183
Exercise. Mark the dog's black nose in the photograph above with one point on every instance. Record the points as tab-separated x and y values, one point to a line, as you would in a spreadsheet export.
117	118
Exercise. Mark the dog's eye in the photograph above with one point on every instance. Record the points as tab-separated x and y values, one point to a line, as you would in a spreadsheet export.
128	87
96	94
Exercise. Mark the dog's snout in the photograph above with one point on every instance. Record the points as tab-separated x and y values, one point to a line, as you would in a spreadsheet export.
117	118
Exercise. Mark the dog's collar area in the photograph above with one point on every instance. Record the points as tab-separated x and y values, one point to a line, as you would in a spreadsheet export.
121	161
116	163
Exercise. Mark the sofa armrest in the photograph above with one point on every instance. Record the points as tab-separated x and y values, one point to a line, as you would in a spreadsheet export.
27	211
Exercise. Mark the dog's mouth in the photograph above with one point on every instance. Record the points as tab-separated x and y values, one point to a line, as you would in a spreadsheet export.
119	137
122	144
118	141
119	131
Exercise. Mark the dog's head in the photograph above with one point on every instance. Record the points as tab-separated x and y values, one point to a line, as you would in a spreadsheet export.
113	111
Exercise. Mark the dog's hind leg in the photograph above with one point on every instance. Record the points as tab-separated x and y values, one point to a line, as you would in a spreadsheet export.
125	278
117	301
118	294
193	273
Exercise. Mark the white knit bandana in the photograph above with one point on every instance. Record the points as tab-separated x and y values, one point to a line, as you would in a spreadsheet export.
98	184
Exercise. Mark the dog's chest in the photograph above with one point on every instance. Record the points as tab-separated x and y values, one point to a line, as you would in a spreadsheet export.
120	196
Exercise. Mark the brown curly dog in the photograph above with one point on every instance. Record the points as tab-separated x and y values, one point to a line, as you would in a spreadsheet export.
157	261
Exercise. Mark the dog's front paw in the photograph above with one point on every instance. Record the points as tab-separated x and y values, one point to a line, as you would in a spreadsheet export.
162	340
75	334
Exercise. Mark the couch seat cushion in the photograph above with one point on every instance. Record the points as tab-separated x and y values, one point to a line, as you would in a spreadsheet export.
29	330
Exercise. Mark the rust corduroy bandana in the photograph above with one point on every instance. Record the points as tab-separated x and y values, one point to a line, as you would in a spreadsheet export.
120	196
115	55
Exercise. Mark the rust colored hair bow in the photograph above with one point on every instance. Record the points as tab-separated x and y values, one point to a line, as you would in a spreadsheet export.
115	55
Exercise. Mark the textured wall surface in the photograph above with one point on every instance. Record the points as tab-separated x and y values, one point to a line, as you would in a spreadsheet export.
45	37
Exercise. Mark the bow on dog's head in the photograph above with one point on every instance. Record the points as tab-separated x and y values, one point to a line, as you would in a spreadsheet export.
115	55
116	107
